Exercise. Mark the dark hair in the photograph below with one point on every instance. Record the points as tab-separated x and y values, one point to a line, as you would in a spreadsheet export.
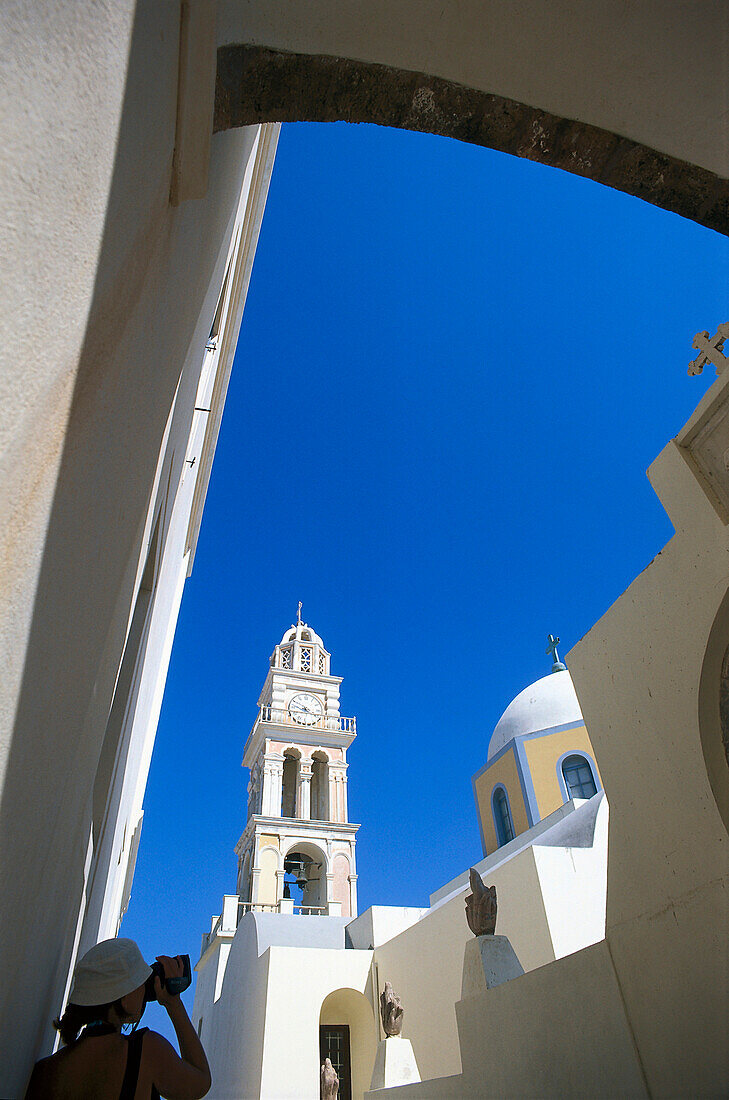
77	1016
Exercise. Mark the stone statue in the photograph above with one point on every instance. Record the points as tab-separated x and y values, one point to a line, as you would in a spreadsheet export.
329	1081
481	906
391	1010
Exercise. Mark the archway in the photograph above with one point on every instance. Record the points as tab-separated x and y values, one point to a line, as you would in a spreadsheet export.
348	1035
305	881
320	786
714	709
289	782
256	84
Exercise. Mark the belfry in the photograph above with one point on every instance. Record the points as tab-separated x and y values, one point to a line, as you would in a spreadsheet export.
296	853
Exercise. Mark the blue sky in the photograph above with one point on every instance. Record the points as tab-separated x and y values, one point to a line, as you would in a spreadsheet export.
454	369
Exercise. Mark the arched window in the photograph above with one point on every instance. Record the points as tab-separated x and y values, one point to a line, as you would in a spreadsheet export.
502	817
320	787
289	784
578	777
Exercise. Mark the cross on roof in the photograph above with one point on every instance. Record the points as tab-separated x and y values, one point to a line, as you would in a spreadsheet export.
552	644
710	350
298	614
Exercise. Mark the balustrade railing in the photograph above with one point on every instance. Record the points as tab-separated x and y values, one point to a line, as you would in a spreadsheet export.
255	907
337	723
261	907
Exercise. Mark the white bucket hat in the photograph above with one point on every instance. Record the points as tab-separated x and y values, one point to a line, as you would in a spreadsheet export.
107	972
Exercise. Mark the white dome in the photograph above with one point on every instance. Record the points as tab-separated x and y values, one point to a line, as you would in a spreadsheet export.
548	702
303	632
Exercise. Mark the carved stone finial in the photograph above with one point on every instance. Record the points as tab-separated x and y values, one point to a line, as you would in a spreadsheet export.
329	1081
481	906
710	350
552	643
391	1010
298	614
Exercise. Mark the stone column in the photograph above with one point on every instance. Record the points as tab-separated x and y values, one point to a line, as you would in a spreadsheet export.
278	703
332	702
303	794
254	791
272	780
353	895
343	797
338	792
255	882
334	814
230	913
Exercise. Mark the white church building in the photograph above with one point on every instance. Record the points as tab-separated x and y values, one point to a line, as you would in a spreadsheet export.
137	149
290	974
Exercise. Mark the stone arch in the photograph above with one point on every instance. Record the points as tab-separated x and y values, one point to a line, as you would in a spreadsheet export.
714	709
350	1008
268	861
289	781
341	869
309	864
320	786
244	877
256	84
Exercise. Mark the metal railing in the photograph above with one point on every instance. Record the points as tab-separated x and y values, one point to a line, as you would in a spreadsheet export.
335	723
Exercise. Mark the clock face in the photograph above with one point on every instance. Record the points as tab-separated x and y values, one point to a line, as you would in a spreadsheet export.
305	708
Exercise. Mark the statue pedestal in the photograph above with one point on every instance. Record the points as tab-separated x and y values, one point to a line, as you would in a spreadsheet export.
394	1064
488	961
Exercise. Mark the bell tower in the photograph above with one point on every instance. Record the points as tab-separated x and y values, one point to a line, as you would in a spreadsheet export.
296	853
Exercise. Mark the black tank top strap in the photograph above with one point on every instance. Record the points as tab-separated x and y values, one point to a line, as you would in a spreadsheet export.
134	1057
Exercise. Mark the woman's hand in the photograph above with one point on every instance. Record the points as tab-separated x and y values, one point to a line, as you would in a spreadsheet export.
173	968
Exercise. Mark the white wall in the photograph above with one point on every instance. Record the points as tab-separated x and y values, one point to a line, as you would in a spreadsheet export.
98	388
633	69
262	1032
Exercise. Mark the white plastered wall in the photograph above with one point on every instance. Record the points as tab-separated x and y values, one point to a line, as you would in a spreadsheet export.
108	293
551	902
642	1013
633	69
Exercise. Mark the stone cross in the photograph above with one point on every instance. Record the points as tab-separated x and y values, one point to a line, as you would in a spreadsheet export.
298	614
710	350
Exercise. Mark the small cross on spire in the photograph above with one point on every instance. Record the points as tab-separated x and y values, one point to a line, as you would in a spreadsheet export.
552	644
298	614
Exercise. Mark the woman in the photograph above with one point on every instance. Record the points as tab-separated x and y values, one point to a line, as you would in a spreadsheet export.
97	1061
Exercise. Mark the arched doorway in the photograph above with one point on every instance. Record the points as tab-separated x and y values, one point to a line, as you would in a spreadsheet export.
348	1036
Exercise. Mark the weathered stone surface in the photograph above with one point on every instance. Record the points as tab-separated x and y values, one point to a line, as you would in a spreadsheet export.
256	84
391	1010
329	1081
481	906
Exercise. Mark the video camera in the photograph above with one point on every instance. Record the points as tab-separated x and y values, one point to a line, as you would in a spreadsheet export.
173	985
